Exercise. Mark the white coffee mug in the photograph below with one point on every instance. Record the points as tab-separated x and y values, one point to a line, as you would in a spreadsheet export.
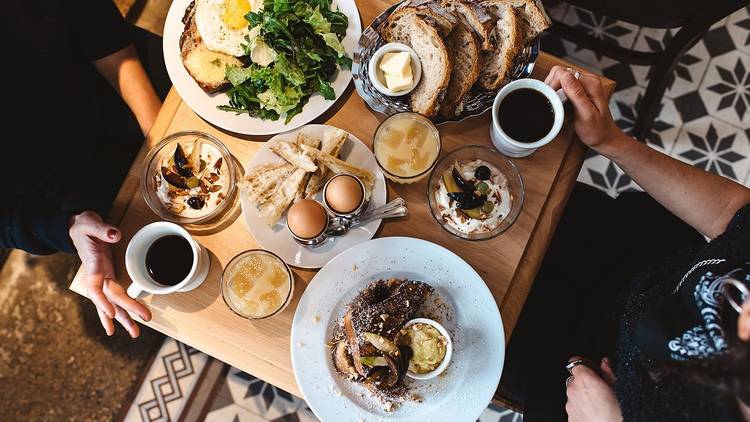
135	260
511	147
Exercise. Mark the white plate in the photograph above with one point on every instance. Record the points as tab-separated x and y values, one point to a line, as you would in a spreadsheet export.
205	104
461	393
278	240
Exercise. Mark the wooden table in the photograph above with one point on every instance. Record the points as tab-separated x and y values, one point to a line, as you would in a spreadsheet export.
508	263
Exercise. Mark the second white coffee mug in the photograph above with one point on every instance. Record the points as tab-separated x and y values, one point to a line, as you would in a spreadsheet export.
511	147
135	260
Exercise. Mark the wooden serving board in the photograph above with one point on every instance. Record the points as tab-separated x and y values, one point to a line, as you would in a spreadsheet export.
507	263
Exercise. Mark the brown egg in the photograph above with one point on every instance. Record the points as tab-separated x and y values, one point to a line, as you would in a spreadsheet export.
344	194
306	219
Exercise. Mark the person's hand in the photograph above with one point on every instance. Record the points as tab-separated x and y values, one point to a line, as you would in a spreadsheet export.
92	238
591	397
743	322
592	119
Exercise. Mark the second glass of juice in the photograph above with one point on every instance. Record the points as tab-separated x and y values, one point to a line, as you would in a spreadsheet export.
406	147
257	284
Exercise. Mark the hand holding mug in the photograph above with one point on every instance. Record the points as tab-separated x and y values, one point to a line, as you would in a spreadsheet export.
92	238
592	119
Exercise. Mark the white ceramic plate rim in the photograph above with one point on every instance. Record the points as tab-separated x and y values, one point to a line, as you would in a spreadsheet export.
475	368
281	242
205	104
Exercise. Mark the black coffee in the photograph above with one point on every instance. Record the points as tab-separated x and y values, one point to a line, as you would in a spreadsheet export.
526	115
169	259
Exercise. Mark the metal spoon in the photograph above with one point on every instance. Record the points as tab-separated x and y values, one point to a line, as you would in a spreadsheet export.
340	226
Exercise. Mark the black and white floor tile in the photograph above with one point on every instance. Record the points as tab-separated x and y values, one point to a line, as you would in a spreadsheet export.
166	389
705	111
702	121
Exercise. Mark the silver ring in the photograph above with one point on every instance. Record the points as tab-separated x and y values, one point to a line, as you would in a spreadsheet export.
569	380
573	364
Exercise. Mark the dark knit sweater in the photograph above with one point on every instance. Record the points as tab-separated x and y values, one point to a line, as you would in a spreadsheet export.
671	398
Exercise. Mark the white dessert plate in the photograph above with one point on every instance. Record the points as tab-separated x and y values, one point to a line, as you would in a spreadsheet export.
461	393
205	104
278	240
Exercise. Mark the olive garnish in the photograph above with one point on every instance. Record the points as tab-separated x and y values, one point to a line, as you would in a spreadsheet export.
482	173
196	202
467	200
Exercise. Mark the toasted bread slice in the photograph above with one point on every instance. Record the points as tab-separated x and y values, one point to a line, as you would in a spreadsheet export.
476	17
342	167
261	182
272	210
509	39
333	140
534	19
293	154
304	139
466	64
436	62
206	67
431	12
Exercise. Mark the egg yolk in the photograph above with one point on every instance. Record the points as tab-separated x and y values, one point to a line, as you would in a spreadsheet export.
233	13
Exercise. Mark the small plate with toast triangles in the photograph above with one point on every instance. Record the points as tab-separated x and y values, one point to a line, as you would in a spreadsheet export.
279	174
468	51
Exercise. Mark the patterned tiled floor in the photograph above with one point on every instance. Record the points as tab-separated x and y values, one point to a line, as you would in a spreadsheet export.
702	121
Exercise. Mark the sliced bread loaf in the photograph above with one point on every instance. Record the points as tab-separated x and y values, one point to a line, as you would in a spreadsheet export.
509	41
534	19
475	17
413	31
432	13
466	64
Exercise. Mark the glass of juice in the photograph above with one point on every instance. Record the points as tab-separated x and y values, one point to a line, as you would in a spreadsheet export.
406	147
257	284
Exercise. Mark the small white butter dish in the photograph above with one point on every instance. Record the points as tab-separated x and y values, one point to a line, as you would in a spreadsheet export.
378	78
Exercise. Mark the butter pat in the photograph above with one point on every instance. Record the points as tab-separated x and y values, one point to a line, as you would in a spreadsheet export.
396	68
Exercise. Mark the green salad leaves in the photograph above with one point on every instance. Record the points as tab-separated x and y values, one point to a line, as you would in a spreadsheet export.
295	48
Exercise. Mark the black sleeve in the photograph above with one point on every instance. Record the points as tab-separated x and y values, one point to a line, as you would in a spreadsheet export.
98	27
737	233
34	226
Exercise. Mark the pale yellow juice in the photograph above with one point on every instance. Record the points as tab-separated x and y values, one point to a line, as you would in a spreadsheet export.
406	146
257	284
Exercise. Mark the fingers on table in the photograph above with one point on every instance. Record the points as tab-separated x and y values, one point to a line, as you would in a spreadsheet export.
607	372
95	291
120	297
106	321
124	319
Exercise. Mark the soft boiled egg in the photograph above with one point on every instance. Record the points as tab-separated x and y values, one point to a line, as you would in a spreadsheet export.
344	194
306	219
222	24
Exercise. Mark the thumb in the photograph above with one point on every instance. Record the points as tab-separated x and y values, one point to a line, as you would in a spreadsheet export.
575	91
607	372
105	232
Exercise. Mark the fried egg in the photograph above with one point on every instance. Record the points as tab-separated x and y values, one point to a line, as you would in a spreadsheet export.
222	24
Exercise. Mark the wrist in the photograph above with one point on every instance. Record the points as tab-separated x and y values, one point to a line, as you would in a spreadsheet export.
615	147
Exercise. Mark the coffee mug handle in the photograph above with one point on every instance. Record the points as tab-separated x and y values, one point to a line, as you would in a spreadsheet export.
134	290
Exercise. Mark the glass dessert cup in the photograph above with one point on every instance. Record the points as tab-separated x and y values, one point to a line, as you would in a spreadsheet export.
243	283
153	164
388	138
492	157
